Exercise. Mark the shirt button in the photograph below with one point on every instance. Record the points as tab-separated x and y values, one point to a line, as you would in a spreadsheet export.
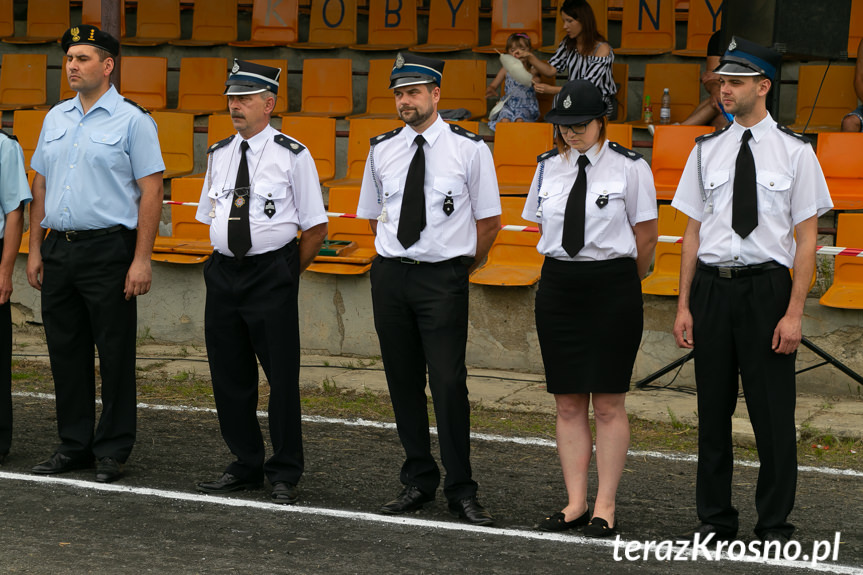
75	145
67	187
771	184
71	166
736	258
81	123
711	184
269	195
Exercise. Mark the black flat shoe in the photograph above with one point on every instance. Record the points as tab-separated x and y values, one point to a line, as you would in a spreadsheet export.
284	492
227	483
557	521
598	527
59	463
108	470
410	499
471	511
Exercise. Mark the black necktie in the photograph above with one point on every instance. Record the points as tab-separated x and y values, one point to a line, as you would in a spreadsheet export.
239	235
573	218
412	219
744	206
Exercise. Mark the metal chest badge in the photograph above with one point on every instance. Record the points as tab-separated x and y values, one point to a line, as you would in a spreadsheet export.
239	201
602	201
270	208
448	205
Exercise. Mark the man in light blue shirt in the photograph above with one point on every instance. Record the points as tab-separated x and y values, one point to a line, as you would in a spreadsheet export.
14	195
98	188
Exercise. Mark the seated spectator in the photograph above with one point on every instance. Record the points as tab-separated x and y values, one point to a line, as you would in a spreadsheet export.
709	112
853	121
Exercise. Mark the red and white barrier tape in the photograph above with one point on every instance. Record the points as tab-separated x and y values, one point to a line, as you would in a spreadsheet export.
821	250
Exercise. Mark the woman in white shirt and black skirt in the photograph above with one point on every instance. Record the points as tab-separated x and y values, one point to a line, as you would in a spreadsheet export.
596	205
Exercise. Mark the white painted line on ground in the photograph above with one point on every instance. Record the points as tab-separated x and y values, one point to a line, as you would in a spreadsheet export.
534	441
387	520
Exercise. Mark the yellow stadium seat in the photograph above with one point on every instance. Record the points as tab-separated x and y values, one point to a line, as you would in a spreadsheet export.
26	126
391	25
359	137
357	258
47	20
855	29
327	88
620	133
684	84
202	81
463	86
508	17
648	27
671	148
836	99
331	25
512	259
847	289
91	14
144	79
7	18
214	22
157	22
22	83
452	26
380	102
705	17
516	146
839	156
319	136
273	24
176	139
665	277
219	127
189	242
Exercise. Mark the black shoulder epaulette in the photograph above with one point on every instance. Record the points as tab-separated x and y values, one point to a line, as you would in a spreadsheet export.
220	144
8	135
546	155
713	134
790	132
385	136
466	133
61	101
288	143
137	105
631	154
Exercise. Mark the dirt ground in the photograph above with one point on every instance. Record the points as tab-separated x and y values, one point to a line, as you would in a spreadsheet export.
69	528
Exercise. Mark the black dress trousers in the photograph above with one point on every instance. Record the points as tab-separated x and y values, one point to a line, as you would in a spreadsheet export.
421	313
83	305
733	321
5	374
251	314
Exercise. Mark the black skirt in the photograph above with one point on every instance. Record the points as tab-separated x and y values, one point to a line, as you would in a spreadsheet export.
589	320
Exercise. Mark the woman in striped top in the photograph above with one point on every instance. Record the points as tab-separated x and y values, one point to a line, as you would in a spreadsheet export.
583	53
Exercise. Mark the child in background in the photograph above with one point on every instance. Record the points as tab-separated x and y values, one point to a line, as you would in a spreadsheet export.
519	104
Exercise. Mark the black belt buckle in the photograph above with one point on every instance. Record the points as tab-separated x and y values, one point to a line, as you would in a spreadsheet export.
71	235
726	273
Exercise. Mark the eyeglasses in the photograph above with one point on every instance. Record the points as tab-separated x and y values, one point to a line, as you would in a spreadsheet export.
577	130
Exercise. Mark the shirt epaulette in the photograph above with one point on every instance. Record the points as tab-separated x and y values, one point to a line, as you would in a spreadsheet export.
8	135
790	132
631	154
713	134
137	105
60	102
456	129
220	144
288	143
546	155
385	136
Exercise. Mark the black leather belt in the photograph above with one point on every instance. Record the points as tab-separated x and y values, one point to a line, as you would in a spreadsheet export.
74	236
259	258
739	271
466	260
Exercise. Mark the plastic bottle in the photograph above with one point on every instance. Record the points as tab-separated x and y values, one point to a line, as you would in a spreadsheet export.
648	110
665	110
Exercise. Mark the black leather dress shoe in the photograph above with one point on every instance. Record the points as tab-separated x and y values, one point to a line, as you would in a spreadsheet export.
226	484
704	530
471	511
284	492
781	538
410	499
3	458
59	463
108	469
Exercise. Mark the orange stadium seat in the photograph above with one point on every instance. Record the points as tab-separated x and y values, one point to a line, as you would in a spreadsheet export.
671	148
600	12
705	17
516	146
214	22
648	27
836	99
839	156
620	133
855	30
847	289
22	81
319	136
665	277
273	24
282	96
26	126
463	86
331	25
359	136
620	72
202	81
176	138
512	259
47	20
219	127
327	88
157	22
392	26
144	79
469	125
189	242
508	17
451	26
7	18
684	84
379	98
356	259
91	14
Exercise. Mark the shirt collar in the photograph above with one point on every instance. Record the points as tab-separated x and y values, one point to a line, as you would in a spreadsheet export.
592	154
431	133
759	130
258	141
108	101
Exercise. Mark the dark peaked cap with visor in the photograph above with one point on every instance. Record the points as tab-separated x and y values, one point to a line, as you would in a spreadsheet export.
250	78
410	69
745	58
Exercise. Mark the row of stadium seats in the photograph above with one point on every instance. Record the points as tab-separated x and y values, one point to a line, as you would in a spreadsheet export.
648	26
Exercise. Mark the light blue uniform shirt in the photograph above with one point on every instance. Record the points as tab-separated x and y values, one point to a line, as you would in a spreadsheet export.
91	162
14	189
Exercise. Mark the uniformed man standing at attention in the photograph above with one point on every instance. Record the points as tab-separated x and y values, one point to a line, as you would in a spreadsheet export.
747	190
14	195
261	189
430	193
98	188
